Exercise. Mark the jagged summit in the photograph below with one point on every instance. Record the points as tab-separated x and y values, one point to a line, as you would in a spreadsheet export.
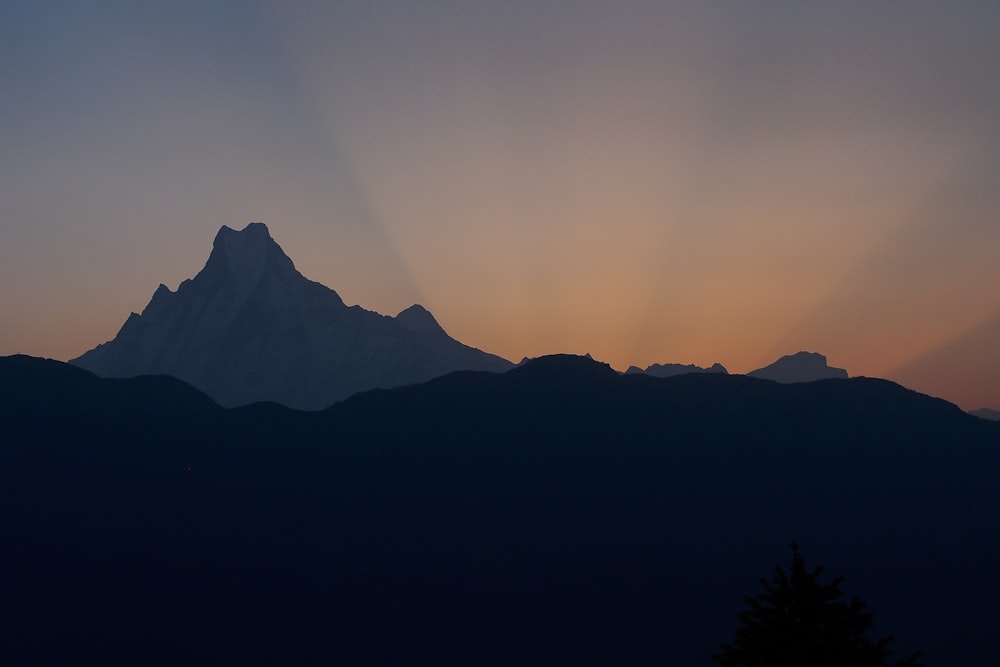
254	238
161	295
248	254
799	367
249	327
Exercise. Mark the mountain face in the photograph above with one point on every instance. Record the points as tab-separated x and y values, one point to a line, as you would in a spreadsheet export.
249	327
799	367
670	370
987	413
559	510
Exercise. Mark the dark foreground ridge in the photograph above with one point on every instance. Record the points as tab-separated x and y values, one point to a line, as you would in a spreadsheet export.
559	512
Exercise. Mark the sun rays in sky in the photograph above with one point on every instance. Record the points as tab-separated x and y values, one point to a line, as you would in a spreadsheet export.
643	182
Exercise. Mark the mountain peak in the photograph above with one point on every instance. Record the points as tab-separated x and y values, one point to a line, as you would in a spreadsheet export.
246	253
799	367
249	327
418	319
252	229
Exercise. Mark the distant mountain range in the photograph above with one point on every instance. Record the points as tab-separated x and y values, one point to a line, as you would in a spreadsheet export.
249	327
670	370
793	368
559	512
986	413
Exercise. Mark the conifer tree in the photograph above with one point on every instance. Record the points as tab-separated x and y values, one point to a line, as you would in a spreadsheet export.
799	621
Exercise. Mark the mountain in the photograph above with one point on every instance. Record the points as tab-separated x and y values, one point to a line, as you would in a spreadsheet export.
986	413
249	327
559	512
799	367
670	370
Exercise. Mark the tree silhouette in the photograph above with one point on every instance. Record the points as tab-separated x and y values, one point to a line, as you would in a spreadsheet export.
800	621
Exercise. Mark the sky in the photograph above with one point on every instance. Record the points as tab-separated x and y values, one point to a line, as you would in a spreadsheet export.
647	182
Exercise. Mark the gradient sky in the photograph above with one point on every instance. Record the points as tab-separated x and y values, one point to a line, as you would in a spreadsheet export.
644	181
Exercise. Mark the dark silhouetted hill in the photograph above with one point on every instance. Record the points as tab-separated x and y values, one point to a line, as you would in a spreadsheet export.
249	327
556	513
799	367
670	370
563	369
